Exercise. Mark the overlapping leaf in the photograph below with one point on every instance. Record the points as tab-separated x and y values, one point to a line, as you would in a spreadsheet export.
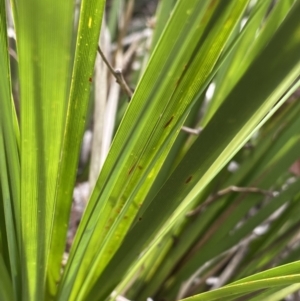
9	170
159	106
230	127
43	44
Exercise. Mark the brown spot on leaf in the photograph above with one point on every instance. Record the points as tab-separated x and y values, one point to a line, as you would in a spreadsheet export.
140	218
90	80
131	169
188	179
170	120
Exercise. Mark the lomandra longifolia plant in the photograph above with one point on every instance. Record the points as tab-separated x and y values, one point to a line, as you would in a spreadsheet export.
192	173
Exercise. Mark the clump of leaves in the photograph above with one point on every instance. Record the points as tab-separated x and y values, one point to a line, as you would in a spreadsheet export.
171	214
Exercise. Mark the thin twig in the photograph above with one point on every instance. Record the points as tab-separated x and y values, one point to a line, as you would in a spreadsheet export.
192	131
121	298
117	73
188	287
123	26
129	54
227	190
195	280
98	153
13	54
135	37
231	267
188	284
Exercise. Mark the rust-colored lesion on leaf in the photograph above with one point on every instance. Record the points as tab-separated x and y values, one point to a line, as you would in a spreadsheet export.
131	169
188	179
170	120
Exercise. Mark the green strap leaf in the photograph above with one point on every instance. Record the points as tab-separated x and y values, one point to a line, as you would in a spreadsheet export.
241	289
6	289
158	108
86	49
9	166
230	127
43	44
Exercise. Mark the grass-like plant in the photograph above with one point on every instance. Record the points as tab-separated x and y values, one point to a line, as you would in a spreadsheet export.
170	211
